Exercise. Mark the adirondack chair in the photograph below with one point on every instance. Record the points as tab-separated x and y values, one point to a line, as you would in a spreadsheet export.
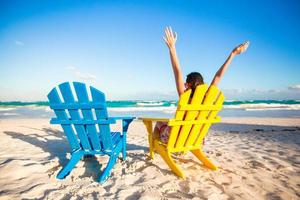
87	126
189	126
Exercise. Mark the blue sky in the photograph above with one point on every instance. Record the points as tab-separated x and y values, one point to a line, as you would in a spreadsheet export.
117	46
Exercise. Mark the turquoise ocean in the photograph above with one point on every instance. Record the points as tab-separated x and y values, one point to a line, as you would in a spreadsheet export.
232	108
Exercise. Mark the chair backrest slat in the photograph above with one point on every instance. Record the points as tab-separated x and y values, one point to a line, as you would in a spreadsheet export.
61	114
105	136
68	97
218	100
82	96
191	115
179	115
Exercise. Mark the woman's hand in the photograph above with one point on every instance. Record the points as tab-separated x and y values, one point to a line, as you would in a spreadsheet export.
170	37
241	48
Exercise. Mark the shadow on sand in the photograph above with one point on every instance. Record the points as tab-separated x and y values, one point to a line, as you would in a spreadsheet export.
55	143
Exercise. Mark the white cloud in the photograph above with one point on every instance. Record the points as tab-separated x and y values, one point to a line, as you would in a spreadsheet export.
294	87
81	75
71	68
85	76
19	43
292	92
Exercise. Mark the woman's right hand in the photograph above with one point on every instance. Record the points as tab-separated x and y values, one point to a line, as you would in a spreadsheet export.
170	37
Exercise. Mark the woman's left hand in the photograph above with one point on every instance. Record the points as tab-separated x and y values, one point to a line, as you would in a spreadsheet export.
241	48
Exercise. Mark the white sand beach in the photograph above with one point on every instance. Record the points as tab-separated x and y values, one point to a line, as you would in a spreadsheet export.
259	158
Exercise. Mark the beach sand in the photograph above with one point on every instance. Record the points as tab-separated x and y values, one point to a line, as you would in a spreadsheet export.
259	158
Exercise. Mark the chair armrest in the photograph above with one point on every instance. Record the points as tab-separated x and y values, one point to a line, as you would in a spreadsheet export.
82	121
154	119
148	122
123	118
125	122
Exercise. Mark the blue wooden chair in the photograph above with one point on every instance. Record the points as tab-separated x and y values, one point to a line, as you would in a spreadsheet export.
80	119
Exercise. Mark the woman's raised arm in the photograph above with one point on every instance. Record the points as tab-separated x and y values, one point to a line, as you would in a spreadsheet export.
170	39
238	50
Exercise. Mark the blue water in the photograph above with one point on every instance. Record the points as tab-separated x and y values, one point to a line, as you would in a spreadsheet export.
248	108
133	103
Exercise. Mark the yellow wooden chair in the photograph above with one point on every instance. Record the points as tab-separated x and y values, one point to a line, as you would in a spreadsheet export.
190	125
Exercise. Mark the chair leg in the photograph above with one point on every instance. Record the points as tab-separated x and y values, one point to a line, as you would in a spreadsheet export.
151	145
71	164
124	149
106	171
202	157
149	127
168	159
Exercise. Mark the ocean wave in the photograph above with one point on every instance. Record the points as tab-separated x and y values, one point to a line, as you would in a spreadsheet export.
264	106
150	104
166	106
149	109
10	114
26	107
35	107
7	108
21	103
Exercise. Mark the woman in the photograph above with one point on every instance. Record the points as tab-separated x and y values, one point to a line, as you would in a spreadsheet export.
193	79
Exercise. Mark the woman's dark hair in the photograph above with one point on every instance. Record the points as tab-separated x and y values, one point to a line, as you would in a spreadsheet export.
194	79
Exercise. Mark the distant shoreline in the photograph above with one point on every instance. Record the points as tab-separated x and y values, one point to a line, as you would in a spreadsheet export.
232	104
139	108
